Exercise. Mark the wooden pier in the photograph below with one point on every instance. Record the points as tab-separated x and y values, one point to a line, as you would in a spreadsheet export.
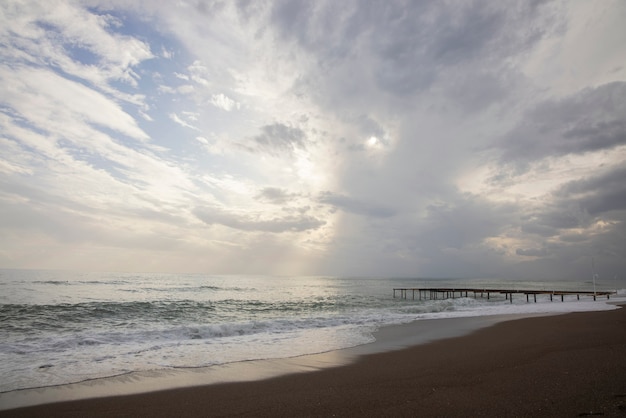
434	293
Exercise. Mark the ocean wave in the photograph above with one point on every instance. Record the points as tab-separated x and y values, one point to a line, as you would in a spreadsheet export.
53	282
105	324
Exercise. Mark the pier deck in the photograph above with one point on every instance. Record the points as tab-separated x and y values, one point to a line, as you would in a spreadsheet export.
434	293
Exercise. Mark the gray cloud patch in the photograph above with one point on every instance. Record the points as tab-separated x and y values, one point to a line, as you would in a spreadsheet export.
279	139
406	47
214	215
576	207
532	252
573	237
597	195
561	218
463	222
533	227
275	195
356	206
579	202
591	120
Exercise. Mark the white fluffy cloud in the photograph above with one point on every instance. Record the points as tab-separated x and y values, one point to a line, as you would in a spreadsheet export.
224	102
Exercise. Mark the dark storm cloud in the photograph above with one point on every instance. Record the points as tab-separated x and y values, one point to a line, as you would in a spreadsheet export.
212	216
591	120
279	139
578	204
597	195
588	216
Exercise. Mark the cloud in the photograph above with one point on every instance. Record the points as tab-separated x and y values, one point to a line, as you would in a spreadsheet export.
40	96
394	51
577	207
62	32
280	139
532	225
353	137
182	123
356	206
276	195
591	120
597	195
532	252
464	222
224	102
254	222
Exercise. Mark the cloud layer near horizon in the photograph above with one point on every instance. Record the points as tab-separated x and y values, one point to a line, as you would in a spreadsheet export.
314	137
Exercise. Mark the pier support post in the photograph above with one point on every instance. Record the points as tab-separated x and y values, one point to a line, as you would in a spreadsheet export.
442	293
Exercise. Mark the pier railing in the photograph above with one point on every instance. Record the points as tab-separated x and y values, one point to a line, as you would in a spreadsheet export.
434	293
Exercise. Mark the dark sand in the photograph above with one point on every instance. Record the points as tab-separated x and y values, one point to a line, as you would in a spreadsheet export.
557	366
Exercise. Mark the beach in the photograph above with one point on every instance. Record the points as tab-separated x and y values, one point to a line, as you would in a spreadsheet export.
561	365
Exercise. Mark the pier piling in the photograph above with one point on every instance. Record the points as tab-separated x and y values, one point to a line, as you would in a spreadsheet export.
436	293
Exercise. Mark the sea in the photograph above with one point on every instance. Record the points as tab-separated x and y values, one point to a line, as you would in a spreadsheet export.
59	327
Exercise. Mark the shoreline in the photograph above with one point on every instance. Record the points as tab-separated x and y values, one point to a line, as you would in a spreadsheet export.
387	338
532	338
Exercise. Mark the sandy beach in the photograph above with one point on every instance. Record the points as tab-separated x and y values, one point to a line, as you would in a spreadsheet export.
556	366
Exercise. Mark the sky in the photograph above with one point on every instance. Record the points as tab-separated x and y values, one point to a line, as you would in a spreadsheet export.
349	138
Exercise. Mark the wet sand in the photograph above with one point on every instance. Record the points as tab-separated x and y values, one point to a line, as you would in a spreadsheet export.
556	366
